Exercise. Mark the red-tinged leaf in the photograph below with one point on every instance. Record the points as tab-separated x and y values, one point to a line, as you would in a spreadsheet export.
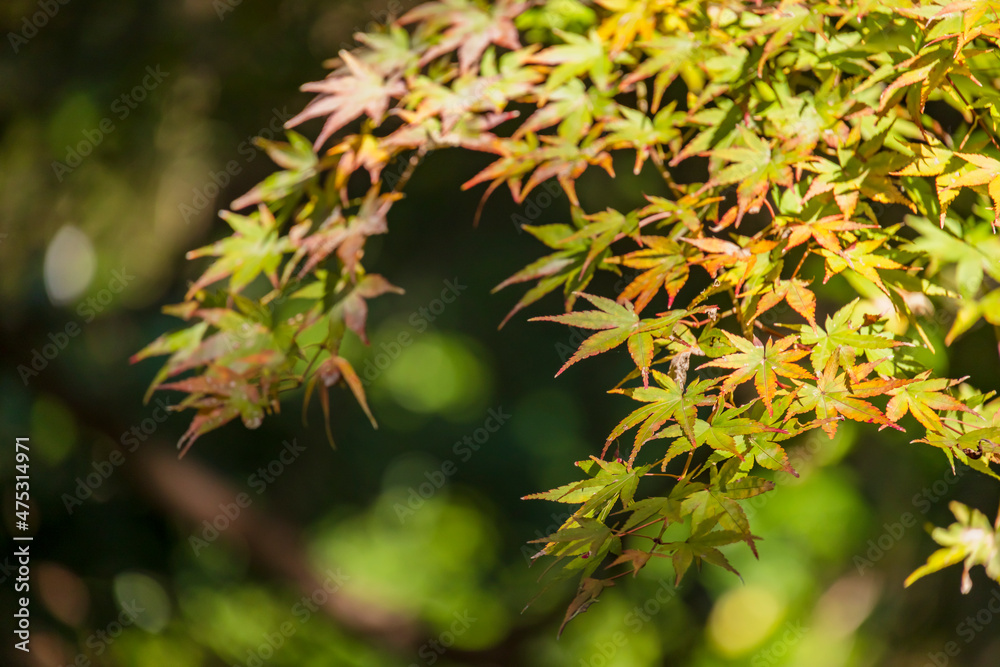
769	454
573	493
795	293
640	346
355	307
614	322
354	382
665	267
470	29
860	256
877	387
769	300
826	231
801	300
761	363
830	397
586	596
908	78
923	398
637	558
324	402
205	421
346	94
722	254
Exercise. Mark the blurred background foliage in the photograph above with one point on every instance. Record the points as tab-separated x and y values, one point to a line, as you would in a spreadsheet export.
406	545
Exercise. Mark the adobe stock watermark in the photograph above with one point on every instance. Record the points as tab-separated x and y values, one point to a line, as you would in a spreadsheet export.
259	480
30	25
100	641
635	620
420	320
776	651
301	611
121	108
88	310
463	449
130	441
204	196
431	651
922	501
968	630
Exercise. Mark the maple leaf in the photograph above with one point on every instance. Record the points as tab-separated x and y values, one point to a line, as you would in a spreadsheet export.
665	267
837	338
860	256
987	173
470	30
609	482
615	324
586	595
724	432
856	174
923	399
718	504
667	57
783	26
823	231
830	398
701	548
761	363
343	97
637	131
669	401
346	236
567	267
255	248
354	307
300	165
220	395
565	158
755	166
720	253
795	293
972	538
578	56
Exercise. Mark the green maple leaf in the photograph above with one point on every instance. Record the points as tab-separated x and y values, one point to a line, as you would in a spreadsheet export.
255	248
861	257
972	538
923	399
566	268
701	548
609	481
838	337
578	56
761	363
830	398
615	324
669	401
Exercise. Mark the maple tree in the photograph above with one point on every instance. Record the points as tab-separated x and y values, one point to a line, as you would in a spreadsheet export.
787	137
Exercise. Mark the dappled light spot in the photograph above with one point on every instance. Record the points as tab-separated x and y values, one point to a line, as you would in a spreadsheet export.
743	619
143	600
438	373
70	263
